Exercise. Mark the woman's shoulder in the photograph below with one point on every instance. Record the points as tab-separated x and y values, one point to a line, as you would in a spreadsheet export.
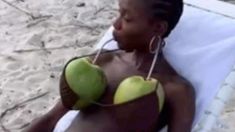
174	84
177	87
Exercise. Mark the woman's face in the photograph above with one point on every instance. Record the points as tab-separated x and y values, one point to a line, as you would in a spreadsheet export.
133	29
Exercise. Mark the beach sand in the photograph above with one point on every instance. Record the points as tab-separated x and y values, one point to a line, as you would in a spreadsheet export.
36	39
35	46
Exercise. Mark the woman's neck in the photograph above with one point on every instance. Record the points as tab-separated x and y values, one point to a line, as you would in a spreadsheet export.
144	60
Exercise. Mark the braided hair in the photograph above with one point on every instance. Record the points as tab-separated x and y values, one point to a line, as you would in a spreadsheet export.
168	10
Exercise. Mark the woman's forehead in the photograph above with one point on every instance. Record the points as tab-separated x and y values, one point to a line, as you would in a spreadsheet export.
125	4
133	6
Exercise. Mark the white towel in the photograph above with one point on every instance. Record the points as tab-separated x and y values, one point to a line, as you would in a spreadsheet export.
65	121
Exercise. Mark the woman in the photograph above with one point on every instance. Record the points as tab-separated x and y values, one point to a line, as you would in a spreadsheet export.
140	28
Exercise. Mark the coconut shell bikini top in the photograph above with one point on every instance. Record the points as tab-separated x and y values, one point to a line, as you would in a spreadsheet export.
83	83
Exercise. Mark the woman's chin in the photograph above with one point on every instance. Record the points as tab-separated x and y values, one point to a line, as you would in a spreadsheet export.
125	48
128	50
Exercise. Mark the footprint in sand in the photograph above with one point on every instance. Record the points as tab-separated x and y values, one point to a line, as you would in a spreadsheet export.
14	74
12	70
0	90
37	78
30	75
14	88
13	66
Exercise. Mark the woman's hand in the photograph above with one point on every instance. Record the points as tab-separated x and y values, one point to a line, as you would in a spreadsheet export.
47	122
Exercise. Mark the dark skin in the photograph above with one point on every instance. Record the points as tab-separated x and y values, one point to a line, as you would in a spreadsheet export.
133	36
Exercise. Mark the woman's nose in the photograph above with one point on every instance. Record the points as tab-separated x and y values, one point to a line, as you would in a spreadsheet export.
117	24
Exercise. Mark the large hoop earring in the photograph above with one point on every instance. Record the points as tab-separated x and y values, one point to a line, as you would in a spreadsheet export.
160	44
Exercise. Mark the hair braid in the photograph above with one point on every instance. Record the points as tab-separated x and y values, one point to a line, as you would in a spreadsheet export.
168	10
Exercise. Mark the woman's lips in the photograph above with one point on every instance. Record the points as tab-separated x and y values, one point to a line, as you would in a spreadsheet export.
120	41
115	36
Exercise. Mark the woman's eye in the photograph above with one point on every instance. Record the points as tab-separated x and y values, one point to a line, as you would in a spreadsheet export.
123	15
127	19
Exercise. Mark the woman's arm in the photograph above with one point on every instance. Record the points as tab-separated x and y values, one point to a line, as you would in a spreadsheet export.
47	122
181	104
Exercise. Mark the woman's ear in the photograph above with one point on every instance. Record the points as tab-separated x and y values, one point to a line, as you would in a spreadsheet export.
160	27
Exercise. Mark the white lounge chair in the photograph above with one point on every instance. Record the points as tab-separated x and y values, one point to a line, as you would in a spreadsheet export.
202	49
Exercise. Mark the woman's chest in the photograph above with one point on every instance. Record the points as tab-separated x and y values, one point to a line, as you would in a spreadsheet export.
116	71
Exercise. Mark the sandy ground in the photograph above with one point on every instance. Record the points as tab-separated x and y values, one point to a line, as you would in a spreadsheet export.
35	46
36	40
